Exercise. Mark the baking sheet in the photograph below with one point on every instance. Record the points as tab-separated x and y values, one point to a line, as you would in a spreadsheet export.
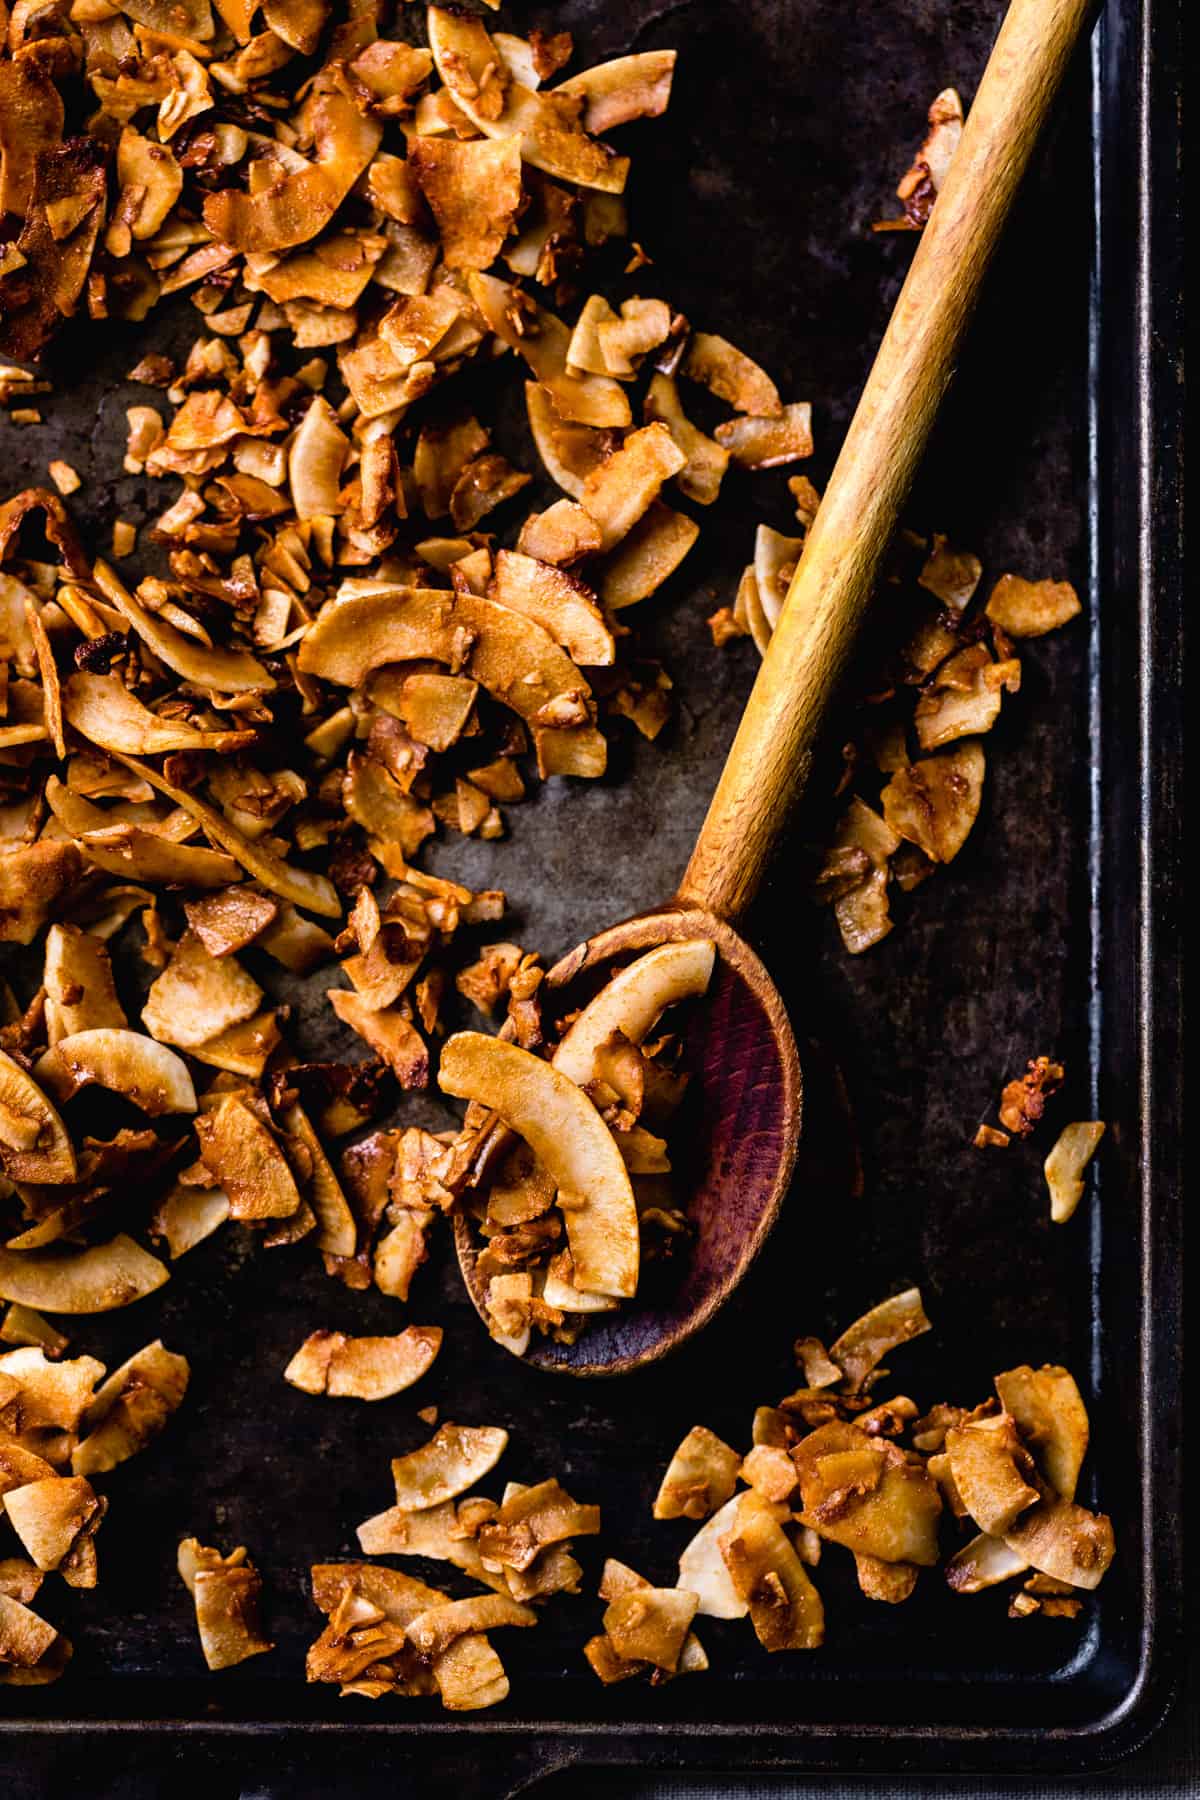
791	122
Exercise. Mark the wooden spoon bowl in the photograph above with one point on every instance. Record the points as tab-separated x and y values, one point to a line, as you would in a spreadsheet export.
743	1114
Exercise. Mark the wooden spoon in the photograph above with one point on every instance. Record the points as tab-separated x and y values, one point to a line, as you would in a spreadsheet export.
740	1047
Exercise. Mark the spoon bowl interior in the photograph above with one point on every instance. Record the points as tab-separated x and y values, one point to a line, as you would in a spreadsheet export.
734	1150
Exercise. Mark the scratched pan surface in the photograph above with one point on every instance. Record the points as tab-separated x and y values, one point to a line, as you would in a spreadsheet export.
791	123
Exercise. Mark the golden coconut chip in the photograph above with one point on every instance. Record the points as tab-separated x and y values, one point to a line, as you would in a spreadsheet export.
369	1368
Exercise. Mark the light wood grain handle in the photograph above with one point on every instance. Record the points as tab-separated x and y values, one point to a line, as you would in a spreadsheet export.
772	753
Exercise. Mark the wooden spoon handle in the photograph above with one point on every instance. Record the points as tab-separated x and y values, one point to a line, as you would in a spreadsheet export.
772	753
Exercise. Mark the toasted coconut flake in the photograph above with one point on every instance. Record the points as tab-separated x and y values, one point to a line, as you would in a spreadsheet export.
606	1664
23	1326
198	996
51	1394
629	87
867	1494
767	443
231	920
56	523
618	490
370	1368
569	1139
532	1518
785	1608
484	485
434	1533
313	892
1023	1102
131	1408
444	449
651	552
861	905
650	1624
390	1034
149	170
298	943
315	461
206	666
962	698
770	1472
435	708
819	1368
49	1516
775	558
1031	608
983	1563
701	476
732	376
935	801
243	1157
702	1566
543	341
47	1669
1049	1411
227	1593
893	1583
300	23
128	851
80	1281
31	122
558	602
80	993
51	690
34	878
473	190
700	1477
293	210
400	1253
1059	1539
951	576
25	1639
633	1001
145	1072
376	801
921	183
863	1345
554	1571
65	478
546	127
34	1143
562	534
454	1459
584	355
18	1466
433	1631
19	1580
625	338
470	1675
990	1467
1064	1167
336	1230
564	1296
186	1216
568	450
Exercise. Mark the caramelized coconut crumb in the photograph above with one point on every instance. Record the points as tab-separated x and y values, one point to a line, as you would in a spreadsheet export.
1023	1102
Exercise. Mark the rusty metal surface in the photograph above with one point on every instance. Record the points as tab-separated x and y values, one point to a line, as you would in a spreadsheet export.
791	122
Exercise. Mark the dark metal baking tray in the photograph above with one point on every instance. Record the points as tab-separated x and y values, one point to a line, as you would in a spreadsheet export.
1055	930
